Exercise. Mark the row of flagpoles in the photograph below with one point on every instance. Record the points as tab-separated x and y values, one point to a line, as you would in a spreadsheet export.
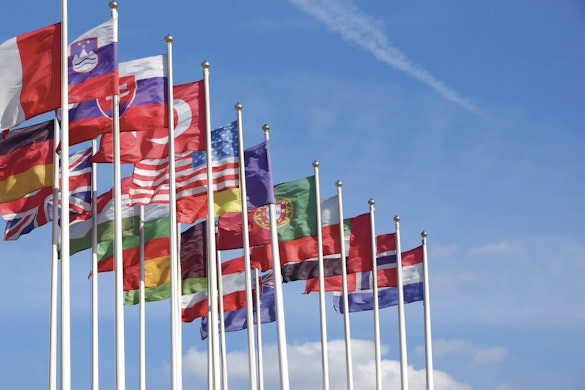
61	241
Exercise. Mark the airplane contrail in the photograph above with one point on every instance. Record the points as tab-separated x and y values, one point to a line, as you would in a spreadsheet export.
346	19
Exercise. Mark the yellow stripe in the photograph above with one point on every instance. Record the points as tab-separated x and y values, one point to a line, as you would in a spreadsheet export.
227	201
157	271
16	186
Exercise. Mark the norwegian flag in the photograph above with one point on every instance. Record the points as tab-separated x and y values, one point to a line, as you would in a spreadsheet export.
36	209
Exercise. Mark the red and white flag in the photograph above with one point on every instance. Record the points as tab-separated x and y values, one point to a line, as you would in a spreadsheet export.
135	146
30	75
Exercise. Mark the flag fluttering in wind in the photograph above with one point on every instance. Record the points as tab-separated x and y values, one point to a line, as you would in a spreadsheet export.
135	146
26	160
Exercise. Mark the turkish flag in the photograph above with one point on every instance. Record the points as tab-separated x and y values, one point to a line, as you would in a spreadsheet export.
189	109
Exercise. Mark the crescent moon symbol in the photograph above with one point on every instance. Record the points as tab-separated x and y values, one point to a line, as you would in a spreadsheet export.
184	118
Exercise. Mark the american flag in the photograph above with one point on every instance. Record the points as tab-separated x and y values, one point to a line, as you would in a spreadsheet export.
150	179
36	209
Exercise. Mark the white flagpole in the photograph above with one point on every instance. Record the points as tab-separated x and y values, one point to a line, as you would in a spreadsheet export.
258	330
118	259
374	281
246	245
427	319
401	324
141	309
278	299
322	315
342	254
224	372
176	366
54	264
65	250
211	263
95	371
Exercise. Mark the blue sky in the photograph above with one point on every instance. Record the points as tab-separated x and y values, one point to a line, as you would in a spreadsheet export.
467	119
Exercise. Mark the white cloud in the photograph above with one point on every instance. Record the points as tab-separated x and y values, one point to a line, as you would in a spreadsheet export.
346	19
476	353
500	248
305	370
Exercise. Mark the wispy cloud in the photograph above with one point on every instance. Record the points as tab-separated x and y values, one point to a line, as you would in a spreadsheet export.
478	354
346	19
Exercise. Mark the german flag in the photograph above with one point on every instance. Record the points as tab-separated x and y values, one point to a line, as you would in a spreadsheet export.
26	160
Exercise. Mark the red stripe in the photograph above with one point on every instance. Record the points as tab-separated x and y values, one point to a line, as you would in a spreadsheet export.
155	247
23	159
102	85
40	56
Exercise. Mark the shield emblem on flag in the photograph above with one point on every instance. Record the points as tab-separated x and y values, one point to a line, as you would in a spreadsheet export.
84	55
127	94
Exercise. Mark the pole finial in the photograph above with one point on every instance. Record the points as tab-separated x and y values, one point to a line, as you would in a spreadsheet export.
238	106
396	218
205	64
338	183
113	5
424	234
168	38
371	202
315	164
265	127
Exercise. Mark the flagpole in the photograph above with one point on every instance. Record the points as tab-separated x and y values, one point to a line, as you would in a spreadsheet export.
322	315
258	330
401	324
54	263
246	245
141	308
212	269
118	260
176	369
65	250
348	358
224	374
278	299
95	372
427	319
378	356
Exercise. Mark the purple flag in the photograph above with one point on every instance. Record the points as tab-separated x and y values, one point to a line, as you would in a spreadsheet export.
259	188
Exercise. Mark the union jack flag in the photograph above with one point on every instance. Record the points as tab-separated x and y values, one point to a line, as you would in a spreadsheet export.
36	209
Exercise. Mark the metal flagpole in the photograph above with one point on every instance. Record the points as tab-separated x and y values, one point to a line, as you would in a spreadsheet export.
401	325
342	254
176	369
142	308
427	319
65	251
118	260
211	263
54	264
246	245
95	369
374	281
224	372
278	299
322	315
258	330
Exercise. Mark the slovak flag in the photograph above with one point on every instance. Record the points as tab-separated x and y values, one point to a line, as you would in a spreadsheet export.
135	146
93	64
142	93
30	75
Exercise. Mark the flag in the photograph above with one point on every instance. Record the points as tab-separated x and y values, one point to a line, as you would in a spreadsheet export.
361	297
150	182
142	92
36	208
135	146
259	192
26	160
237	319
93	64
193	269
385	259
234	294
30	75
80	230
